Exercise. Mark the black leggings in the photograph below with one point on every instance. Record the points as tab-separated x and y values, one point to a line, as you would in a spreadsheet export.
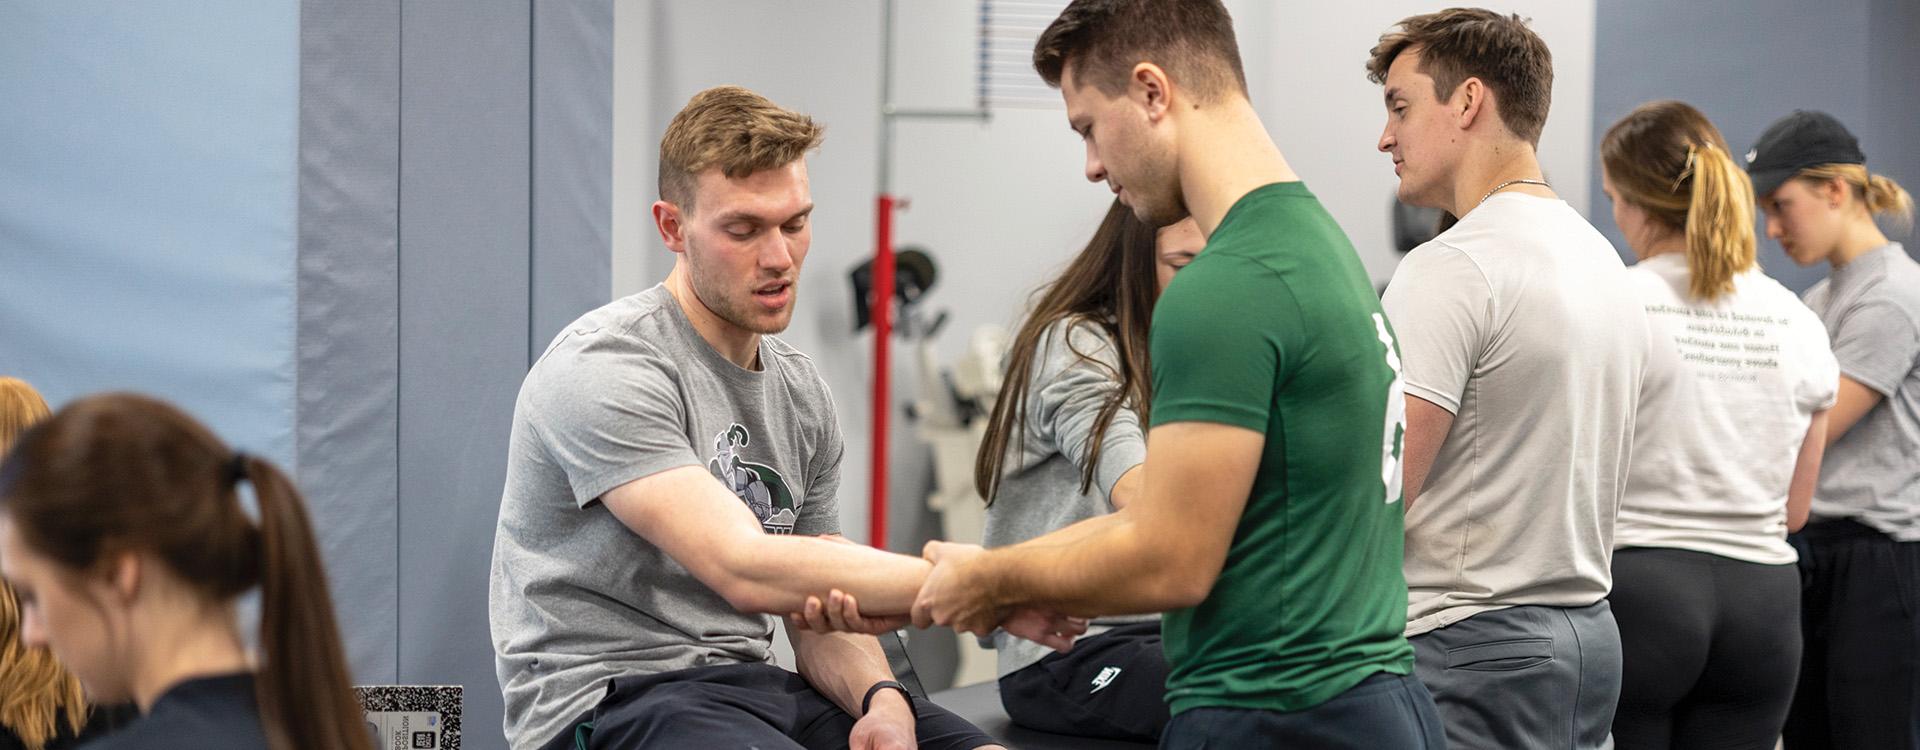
1711	649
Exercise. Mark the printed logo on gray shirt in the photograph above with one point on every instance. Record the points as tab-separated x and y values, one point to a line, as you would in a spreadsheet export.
758	485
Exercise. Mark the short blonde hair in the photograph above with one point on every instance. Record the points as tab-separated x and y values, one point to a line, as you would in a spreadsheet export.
732	128
36	694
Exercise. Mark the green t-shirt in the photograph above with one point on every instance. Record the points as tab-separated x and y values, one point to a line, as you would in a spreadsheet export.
1275	328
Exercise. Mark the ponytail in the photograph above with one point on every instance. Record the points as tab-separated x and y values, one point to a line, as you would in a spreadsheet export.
306	697
1719	224
1886	198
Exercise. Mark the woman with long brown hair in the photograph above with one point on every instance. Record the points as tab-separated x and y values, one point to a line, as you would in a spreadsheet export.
1064	443
123	531
1860	677
42	706
1704	585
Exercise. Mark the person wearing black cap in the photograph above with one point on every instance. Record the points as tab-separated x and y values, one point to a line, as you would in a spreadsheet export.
1860	555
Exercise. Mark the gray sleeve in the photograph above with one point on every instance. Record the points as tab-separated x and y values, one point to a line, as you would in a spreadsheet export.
1077	371
1440	306
1877	344
610	416
820	510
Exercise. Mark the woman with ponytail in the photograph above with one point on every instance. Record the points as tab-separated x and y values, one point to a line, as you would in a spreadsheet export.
41	705
1860	553
1704	585
124	532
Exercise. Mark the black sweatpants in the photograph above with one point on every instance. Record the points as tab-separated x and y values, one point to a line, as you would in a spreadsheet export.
737	705
1860	678
1111	685
1711	649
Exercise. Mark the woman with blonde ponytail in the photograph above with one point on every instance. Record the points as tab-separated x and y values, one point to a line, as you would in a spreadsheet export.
42	706
125	533
1704	585
1860	680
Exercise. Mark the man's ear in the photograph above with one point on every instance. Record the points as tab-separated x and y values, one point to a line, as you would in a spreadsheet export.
1150	88
125	576
672	225
1469	101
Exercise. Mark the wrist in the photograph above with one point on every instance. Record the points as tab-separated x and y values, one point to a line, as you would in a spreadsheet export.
887	697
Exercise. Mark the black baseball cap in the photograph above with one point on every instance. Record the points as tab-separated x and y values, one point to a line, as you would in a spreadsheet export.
1806	138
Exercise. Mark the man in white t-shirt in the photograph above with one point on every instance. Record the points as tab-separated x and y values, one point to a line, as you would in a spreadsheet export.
1524	354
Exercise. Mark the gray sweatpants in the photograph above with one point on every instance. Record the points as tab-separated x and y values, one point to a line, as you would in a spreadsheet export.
1543	678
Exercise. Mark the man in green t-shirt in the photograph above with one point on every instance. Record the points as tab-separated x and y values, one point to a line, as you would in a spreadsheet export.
1269	528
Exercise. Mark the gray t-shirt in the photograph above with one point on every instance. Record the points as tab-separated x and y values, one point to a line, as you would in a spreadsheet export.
1074	373
625	392
1521	322
1872	311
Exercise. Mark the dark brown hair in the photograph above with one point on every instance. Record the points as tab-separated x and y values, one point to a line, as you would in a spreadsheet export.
732	128
1101	40
1111	284
121	473
1460	43
1669	160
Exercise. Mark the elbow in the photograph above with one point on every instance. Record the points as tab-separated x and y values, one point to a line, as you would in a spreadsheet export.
731	575
1184	583
1189	591
1796	519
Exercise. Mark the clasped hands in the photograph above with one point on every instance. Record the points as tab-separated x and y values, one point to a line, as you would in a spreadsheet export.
952	595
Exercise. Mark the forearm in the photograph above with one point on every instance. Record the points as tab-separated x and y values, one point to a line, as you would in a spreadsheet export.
778	573
1806	471
1101	566
842	666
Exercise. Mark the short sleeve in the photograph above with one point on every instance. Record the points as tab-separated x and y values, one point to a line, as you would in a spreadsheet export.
820	509
1876	343
1441	309
1818	387
1076	373
608	415
1219	343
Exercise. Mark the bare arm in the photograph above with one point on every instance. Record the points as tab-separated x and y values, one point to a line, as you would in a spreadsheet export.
1162	551
1806	471
690	516
1131	484
840	665
1427	427
1854	401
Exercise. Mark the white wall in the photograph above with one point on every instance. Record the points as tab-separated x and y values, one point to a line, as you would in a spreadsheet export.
1327	116
1002	203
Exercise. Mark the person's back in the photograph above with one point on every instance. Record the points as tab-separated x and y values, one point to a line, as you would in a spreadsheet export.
1541	362
1711	471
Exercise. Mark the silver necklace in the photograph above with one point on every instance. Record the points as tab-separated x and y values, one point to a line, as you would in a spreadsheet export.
1510	183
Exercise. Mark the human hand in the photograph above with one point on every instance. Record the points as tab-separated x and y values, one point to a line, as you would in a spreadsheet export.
840	613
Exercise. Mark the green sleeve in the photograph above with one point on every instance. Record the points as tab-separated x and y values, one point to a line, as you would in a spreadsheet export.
1219	344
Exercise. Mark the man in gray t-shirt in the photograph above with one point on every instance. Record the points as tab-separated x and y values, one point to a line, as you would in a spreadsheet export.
669	469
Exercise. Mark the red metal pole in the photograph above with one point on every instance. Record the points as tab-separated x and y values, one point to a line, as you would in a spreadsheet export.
882	401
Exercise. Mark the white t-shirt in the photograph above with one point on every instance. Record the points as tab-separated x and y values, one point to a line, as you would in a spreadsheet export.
1521	322
1710	473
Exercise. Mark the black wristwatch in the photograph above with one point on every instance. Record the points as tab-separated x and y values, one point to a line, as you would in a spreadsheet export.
867	702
